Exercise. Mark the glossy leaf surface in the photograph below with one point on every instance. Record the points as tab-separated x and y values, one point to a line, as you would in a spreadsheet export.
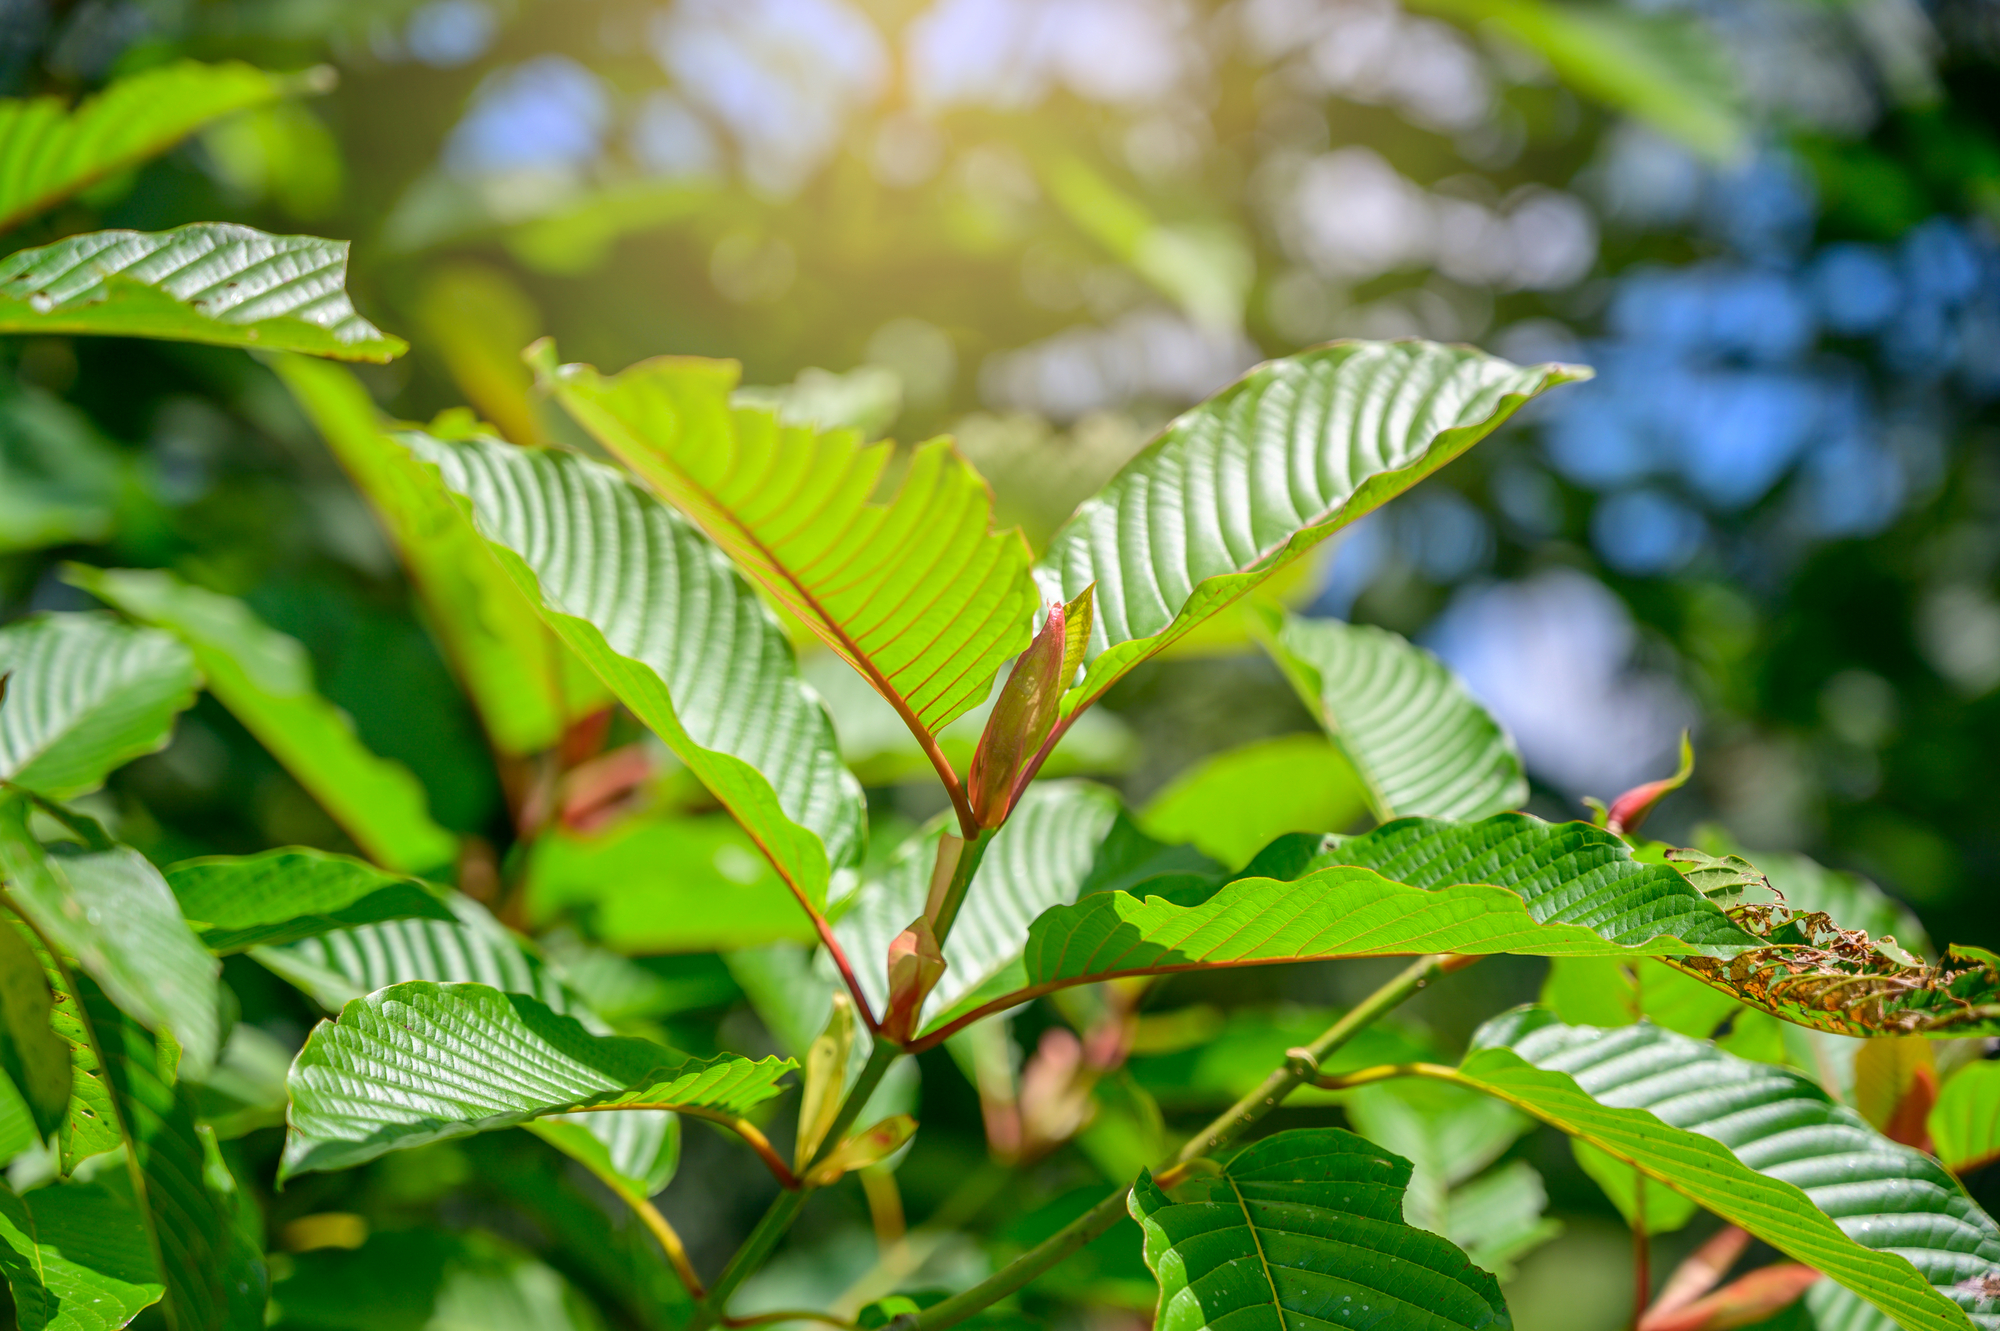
657	611
265	679
1306	1228
76	1258
282	896
1422	746
1250	480
212	282
85	694
919	594
421	1062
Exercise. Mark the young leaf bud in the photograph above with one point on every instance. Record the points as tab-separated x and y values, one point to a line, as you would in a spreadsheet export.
1631	808
1021	720
916	964
825	1079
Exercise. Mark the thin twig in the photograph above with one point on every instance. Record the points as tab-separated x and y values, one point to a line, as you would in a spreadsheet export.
743	1128
787	1315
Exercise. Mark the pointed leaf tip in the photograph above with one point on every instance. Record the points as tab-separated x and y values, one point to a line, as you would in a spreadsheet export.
1630	809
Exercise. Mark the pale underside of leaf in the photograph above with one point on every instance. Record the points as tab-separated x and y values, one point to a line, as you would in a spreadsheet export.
1305	1229
265	680
919	594
1420	743
212	282
49	151
422	1062
658	612
85	694
1252	479
1761	1146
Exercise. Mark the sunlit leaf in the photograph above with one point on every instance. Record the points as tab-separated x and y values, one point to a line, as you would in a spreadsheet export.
634	1151
525	684
1307	1227
265	679
108	908
654	608
1762	1147
281	896
421	1062
84	695
1258	475
919	594
53	150
1422	746
212	282
76	1258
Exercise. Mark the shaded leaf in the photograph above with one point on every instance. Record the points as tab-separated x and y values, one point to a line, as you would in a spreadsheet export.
32	1056
421	1062
265	679
1306	1227
281	896
634	1152
526	685
919	594
658	612
1232	804
212	282
1252	479
423	1280
85	694
1420	743
1762	1147
1965	1122
53	150
76	1258
111	911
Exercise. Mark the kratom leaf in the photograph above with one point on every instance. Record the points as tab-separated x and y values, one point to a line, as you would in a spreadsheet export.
421	1062
214	1281
656	610
1420	743
265	679
1250	480
919	594
1760	1146
1306	1228
281	896
1039	859
85	694
76	1258
90	1124
1965	1121
423	1280
526	685
32	1056
52	151
108	908
212	282
337	968
1232	804
634	1151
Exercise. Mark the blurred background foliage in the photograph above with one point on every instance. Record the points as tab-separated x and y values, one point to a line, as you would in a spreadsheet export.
1044	226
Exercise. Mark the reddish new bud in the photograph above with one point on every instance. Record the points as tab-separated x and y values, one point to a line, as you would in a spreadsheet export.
1630	809
916	964
1022	718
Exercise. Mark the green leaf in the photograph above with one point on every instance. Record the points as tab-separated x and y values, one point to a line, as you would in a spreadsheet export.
1420	743
32	1056
1642	1202
634	1152
214	1281
1040	859
85	694
76	1258
918	594
1965	1122
525	683
281	896
212	282
265	679
1306	1227
1760	1146
421	1062
111	911
53	151
1663	68
423	1280
1510	883
1236	802
1249	481
338	967
656	610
